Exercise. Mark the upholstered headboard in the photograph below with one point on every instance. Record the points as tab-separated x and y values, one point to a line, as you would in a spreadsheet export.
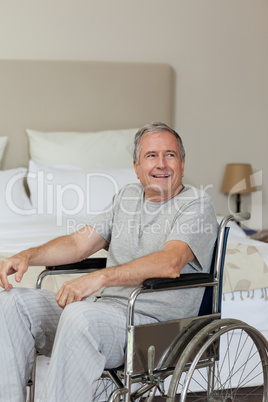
79	96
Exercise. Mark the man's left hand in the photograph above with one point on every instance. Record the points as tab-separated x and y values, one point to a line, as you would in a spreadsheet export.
80	288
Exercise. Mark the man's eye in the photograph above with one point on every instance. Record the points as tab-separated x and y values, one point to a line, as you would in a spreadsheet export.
151	156
170	154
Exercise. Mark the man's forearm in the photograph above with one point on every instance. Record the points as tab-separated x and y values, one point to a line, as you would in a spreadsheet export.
55	252
66	249
166	263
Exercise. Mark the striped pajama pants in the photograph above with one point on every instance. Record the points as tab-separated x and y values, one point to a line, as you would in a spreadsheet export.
82	339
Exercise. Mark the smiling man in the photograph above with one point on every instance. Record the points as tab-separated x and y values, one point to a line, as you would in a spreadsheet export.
159	164
157	228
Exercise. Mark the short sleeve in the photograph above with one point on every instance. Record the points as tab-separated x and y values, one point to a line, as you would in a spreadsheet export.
103	222
196	225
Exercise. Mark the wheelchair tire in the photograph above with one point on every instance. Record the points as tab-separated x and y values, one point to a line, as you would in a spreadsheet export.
215	367
103	388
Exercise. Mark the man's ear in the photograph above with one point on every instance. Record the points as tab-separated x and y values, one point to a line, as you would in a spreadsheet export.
182	167
136	167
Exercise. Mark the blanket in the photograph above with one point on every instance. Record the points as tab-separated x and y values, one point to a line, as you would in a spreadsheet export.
244	269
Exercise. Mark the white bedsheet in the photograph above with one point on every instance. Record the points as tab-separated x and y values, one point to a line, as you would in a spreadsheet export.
23	232
251	307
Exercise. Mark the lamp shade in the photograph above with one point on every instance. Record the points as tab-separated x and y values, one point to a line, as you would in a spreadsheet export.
238	179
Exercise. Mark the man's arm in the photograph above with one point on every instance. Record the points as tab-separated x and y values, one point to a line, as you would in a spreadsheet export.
166	263
62	250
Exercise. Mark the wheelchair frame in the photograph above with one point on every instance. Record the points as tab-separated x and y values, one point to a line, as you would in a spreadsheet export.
192	345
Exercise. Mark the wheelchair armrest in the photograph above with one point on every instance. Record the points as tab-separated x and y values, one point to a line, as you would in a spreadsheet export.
194	279
80	267
88	263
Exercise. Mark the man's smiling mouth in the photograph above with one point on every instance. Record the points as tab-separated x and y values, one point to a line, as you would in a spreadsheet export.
161	176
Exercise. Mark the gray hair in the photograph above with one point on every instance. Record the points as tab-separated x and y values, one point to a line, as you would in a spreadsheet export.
156	127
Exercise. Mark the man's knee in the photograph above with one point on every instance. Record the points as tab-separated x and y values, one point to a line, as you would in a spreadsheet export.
73	315
27	300
84	317
12	297
95	323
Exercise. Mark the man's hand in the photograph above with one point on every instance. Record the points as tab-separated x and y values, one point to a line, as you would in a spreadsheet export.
80	288
18	265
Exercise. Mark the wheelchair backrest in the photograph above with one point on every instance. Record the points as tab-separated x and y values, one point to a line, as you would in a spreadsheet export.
207	302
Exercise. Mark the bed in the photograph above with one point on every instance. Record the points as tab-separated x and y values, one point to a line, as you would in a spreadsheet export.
57	170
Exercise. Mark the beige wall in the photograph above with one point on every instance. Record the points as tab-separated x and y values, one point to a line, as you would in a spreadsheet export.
218	49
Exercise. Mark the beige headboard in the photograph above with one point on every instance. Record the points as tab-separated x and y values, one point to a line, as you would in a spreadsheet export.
79	96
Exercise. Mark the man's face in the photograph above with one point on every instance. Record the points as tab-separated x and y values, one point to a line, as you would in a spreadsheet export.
160	169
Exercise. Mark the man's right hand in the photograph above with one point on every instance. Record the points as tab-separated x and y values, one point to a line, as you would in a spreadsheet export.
18	265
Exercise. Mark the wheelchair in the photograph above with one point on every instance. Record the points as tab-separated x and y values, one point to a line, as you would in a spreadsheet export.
202	358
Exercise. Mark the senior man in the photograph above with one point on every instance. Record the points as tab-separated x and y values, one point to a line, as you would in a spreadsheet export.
157	228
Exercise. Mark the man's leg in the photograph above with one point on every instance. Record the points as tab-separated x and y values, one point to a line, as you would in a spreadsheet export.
90	336
28	319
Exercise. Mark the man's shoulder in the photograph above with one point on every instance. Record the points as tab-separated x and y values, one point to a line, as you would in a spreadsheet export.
190	190
191	193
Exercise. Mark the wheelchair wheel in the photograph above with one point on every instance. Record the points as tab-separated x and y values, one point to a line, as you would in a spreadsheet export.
110	383
103	388
226	361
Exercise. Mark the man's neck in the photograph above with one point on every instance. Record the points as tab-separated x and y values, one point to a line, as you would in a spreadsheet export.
165	196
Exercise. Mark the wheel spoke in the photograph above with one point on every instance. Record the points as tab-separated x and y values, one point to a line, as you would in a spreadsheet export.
238	372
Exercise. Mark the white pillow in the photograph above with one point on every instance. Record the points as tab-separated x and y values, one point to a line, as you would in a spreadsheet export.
13	200
3	142
69	191
112	149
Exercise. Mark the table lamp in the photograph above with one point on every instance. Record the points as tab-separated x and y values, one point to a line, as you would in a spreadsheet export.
238	179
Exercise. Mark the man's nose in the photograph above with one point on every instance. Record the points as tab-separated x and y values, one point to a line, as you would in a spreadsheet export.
161	162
